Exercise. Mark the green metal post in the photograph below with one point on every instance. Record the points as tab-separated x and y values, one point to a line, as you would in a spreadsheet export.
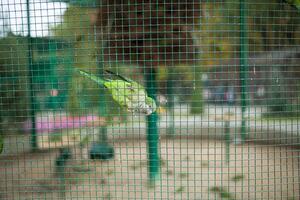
30	75
103	113
102	98
102	150
243	65
100	63
152	129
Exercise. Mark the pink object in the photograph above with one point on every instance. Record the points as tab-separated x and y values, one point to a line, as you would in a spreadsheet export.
53	123
54	92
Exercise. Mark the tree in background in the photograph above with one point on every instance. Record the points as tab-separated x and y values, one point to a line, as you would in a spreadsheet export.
4	24
78	28
14	94
156	35
271	25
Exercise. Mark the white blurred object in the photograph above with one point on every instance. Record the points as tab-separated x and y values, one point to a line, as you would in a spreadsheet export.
261	91
43	16
162	99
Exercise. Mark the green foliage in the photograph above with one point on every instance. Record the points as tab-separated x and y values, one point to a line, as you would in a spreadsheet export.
79	96
169	172
180	189
55	137
185	83
278	101
294	3
197	101
77	28
281	108
223	192
218	35
183	175
238	177
280	28
13	82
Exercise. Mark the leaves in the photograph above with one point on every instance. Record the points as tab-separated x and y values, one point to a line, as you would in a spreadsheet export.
180	189
13	82
238	177
223	192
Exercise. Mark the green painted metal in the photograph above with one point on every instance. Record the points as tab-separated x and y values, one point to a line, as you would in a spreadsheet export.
32	112
103	145
243	65
152	129
103	97
102	106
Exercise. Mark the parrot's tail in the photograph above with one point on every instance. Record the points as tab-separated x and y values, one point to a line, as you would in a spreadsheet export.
92	77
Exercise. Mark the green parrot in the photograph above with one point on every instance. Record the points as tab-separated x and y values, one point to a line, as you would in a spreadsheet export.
126	92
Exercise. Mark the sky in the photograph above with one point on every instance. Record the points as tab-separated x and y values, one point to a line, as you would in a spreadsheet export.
43	15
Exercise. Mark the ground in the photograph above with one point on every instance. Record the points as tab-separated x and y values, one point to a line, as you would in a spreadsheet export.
190	169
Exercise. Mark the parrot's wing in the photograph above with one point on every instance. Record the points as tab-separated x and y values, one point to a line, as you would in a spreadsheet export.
92	77
134	85
119	76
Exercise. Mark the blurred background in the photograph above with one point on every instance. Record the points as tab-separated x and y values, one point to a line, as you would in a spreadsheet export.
225	76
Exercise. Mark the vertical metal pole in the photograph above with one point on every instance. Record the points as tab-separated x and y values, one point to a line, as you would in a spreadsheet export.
100	63
152	129
103	113
30	75
102	150
243	64
102	98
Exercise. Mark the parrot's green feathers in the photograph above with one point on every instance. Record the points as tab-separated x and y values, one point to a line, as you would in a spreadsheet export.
119	76
94	78
126	92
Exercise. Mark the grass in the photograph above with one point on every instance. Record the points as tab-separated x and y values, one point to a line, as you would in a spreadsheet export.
138	165
204	164
180	189
110	172
163	163
55	137
223	192
183	175
169	172
290	113
279	118
238	177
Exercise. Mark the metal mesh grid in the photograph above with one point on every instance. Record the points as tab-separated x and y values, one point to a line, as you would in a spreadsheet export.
224	76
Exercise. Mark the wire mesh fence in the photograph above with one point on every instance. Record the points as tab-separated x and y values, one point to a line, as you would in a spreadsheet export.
149	99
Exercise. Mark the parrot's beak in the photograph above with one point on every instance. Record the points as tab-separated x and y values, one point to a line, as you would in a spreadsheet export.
149	111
